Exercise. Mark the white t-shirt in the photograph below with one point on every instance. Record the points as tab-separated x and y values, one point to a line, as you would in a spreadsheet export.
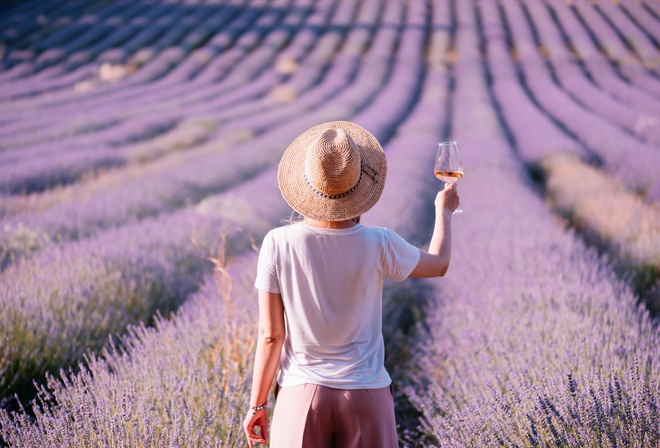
331	282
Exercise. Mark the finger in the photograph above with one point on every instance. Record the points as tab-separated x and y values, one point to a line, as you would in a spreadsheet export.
249	439
263	426
253	437
251	434
258	439
264	430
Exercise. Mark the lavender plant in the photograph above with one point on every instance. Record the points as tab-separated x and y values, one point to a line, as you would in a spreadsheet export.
534	351
66	301
179	383
525	349
610	217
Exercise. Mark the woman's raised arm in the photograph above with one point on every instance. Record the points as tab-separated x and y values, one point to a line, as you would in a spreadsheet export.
435	262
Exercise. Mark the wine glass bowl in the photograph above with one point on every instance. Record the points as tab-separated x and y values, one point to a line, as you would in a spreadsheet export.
448	166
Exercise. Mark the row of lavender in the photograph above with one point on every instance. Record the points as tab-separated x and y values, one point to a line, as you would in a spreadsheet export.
236	64
584	106
534	341
619	135
276	123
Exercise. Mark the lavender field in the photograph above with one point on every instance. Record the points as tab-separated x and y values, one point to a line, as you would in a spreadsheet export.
139	143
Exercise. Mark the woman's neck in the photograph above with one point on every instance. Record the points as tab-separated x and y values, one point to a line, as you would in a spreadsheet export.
330	224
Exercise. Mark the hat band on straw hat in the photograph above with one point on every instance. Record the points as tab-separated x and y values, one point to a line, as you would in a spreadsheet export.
373	174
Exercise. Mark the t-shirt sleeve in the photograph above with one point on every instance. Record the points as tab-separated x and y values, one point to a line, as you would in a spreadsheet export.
401	257
266	279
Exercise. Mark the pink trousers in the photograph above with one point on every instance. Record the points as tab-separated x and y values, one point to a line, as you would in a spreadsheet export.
322	417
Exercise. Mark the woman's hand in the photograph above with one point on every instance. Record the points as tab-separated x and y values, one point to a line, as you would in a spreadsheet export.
252	421
447	199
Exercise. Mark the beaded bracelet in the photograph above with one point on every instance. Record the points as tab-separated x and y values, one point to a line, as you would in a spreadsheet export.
258	408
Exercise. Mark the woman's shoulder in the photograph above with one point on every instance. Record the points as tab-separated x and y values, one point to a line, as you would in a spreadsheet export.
285	231
378	230
301	230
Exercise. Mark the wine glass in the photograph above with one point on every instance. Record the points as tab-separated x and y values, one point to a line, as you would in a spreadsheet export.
448	167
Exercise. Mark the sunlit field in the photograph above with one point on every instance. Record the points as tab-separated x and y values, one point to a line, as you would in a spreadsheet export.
139	143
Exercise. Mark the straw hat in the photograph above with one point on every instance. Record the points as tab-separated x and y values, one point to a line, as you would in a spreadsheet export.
333	171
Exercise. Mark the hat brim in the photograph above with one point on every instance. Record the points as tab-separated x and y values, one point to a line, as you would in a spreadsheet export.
305	201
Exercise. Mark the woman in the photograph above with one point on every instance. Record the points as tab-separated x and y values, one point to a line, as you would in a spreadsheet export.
320	286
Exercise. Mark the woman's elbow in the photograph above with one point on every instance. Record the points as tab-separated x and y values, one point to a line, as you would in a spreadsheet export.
271	336
430	266
430	270
440	269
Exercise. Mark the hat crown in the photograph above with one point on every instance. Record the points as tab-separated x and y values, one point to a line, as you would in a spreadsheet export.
333	171
332	162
